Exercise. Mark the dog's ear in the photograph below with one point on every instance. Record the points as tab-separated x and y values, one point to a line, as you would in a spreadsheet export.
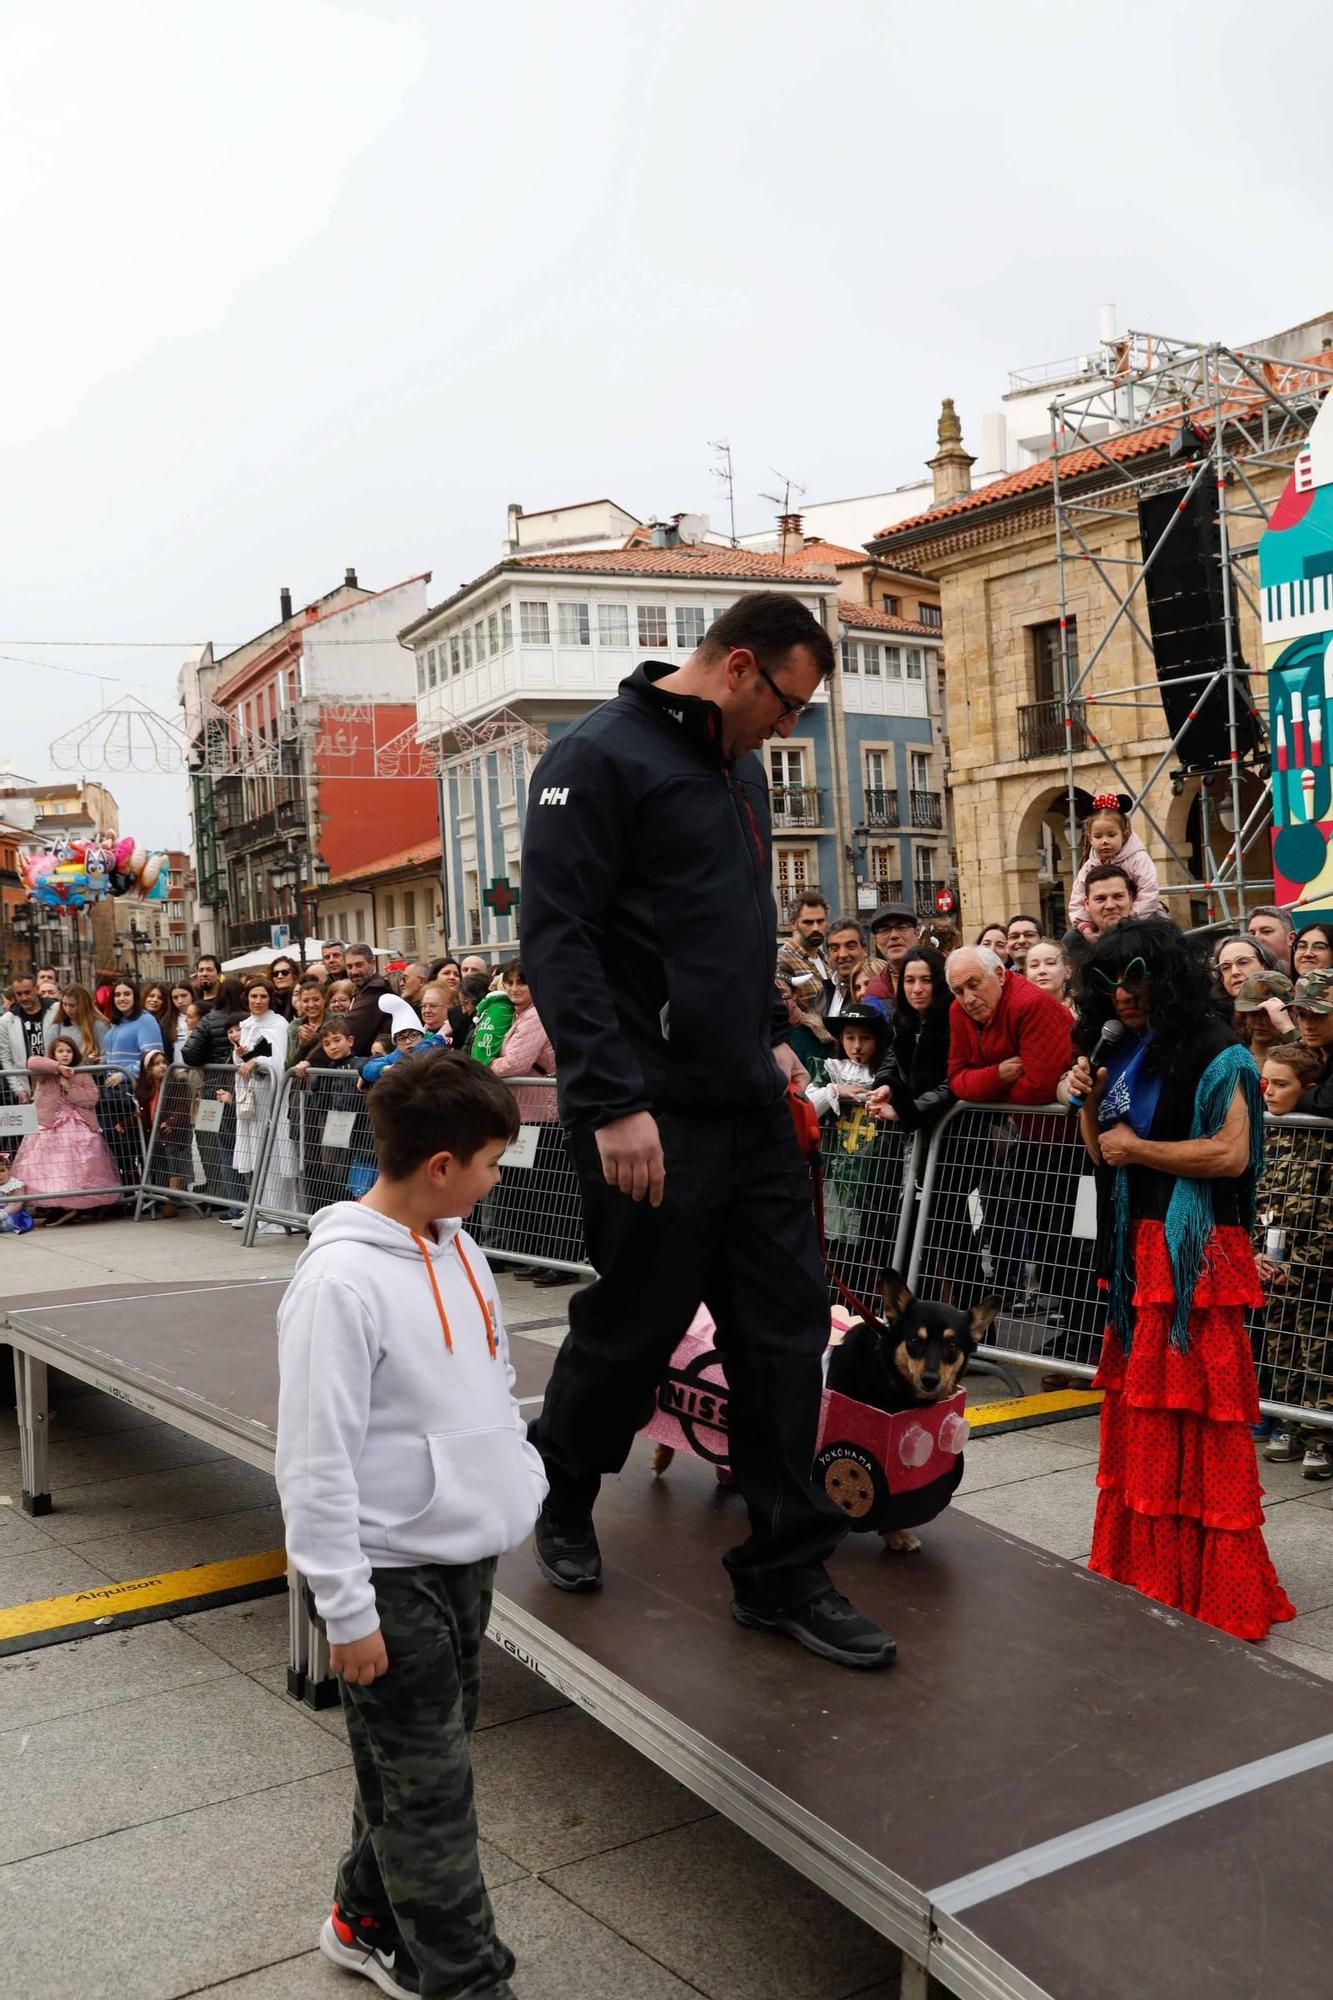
981	1316
893	1290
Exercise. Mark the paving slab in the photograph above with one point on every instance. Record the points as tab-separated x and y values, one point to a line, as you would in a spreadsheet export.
738	1924
179	1904
50	1572
94	1772
1283	1644
1054	1511
100	1671
141	1502
1002	1461
247	1635
246	1532
509	1691
90	1460
554	1788
1300	1542
275	1680
18	1535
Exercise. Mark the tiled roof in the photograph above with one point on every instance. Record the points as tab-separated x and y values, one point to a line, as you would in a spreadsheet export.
390	864
708	559
864	617
1035	478
819	551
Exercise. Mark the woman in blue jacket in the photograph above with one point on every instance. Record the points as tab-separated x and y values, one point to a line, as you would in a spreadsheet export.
132	1034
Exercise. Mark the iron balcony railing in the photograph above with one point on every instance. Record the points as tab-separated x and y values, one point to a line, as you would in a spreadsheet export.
924	894
881	807
797	805
1041	728
926	809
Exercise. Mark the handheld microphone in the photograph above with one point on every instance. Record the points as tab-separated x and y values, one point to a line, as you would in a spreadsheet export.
1106	1041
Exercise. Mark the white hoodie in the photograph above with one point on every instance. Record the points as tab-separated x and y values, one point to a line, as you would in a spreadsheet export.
393	1447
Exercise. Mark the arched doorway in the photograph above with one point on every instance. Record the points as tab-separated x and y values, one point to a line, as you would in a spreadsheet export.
1043	844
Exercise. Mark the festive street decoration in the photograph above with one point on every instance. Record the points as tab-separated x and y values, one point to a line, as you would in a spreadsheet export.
70	874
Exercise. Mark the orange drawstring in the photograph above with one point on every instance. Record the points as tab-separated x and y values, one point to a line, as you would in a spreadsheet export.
424	1248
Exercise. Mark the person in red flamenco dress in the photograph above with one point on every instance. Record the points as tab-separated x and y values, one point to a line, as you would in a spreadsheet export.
1174	1124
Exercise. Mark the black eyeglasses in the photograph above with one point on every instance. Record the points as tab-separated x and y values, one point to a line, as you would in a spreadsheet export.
794	709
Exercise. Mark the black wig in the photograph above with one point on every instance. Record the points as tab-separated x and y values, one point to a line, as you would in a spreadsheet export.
1179	982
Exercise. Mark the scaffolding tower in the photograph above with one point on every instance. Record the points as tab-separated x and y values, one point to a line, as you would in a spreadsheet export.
1166	416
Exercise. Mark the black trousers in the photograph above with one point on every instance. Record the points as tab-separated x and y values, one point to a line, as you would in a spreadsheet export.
735	1231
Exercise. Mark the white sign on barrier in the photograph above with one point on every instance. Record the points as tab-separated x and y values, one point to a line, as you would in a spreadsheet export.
523	1152
208	1115
17	1120
1085	1209
338	1129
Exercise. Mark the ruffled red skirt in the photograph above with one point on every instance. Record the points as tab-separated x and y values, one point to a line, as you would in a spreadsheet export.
1180	1511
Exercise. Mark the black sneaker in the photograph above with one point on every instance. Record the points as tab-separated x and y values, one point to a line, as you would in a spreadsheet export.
567	1552
372	1947
827	1625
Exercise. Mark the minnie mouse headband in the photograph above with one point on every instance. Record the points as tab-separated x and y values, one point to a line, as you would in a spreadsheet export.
1107	802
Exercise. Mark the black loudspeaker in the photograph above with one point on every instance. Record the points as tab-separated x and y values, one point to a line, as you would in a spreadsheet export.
1185	616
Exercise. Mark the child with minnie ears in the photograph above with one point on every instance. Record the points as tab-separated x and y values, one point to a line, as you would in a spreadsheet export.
1108	836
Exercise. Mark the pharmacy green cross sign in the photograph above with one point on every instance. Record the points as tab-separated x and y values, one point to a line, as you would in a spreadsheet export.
502	897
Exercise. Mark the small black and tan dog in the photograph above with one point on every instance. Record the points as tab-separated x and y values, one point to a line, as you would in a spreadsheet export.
911	1358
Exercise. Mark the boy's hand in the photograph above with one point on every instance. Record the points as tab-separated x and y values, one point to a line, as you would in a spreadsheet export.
361	1662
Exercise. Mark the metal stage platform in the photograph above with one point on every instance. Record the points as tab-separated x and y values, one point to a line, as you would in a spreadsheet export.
1141	1805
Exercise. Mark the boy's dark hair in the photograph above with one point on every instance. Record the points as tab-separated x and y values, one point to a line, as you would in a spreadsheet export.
437	1101
1306	1065
334	1024
234	1020
768	623
476	985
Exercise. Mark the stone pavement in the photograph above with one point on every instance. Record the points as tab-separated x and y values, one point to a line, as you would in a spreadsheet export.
172	1819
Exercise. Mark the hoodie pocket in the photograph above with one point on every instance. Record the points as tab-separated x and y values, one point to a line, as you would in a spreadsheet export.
484	1500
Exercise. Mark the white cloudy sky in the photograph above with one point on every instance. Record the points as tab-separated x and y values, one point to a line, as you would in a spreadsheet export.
294	284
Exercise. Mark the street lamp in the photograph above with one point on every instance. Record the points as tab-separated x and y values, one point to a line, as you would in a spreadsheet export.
294	877
134	938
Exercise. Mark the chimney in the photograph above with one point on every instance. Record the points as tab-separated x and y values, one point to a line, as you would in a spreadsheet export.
349	580
285	603
951	467
513	515
791	542
661	535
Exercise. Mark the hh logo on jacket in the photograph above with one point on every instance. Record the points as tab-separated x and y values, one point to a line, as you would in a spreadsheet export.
554	795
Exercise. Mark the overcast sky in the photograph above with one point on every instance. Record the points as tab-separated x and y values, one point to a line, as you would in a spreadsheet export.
294	284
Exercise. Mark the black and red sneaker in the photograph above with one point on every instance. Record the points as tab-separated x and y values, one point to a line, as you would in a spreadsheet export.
372	1947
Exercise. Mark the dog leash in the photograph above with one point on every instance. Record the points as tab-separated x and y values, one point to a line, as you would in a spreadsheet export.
847	1295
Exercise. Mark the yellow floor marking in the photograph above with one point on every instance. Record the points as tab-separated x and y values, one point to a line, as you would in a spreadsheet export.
1049	1404
103	1600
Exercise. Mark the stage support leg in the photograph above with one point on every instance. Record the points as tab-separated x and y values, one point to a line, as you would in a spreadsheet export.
308	1676
917	1983
34	1432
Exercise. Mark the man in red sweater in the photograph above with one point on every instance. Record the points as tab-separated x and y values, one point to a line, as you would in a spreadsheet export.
1007	1039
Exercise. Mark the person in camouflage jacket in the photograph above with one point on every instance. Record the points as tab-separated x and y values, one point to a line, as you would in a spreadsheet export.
1293	1226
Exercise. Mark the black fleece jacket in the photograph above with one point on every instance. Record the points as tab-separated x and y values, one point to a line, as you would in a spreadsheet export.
649	931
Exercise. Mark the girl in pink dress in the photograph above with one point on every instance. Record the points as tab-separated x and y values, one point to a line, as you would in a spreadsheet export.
65	1154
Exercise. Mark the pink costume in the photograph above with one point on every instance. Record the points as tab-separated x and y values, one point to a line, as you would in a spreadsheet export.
1137	863
66	1151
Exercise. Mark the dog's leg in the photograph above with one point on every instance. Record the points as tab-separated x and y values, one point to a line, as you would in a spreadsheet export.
901	1541
662	1457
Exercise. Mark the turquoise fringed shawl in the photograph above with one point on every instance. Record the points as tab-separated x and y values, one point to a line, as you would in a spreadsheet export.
1189	1214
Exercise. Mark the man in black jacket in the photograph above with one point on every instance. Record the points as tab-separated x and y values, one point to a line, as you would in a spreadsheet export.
364	1019
647	840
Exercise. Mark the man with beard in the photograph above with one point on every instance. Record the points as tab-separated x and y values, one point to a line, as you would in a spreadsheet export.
802	959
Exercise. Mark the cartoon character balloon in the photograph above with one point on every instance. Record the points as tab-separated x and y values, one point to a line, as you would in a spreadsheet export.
70	874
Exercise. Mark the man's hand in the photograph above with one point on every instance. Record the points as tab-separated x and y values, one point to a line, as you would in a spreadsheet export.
1083	1084
1010	1069
1119	1145
631	1153
361	1662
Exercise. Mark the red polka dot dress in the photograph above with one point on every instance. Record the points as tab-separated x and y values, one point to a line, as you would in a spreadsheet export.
1180	1508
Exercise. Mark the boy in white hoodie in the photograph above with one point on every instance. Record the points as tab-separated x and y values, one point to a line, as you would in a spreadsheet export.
404	1471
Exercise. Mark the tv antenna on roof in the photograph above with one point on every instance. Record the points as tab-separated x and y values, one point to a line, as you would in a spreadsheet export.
727	477
789	486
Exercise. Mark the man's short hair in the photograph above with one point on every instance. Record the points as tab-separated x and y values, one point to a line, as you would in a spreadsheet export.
990	959
768	623
811	900
46	968
846	924
1267	910
366	951
207	958
1108	871
334	944
1021	918
437	1101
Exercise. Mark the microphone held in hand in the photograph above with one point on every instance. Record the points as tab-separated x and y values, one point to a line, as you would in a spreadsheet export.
1106	1041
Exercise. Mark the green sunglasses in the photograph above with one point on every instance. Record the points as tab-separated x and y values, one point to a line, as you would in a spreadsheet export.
1134	974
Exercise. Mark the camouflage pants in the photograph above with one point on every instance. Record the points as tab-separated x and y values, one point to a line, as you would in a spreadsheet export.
413	1858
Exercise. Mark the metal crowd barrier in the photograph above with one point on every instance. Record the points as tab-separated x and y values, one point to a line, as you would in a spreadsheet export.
535	1215
869	1174
318	1149
1292	1334
119	1128
207	1132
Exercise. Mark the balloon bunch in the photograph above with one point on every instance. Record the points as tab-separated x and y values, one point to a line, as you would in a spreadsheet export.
69	874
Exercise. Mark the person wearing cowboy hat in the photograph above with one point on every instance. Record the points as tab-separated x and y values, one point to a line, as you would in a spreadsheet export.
862	1034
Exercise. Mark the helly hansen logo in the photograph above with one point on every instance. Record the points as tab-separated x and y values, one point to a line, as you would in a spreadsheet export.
554	795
